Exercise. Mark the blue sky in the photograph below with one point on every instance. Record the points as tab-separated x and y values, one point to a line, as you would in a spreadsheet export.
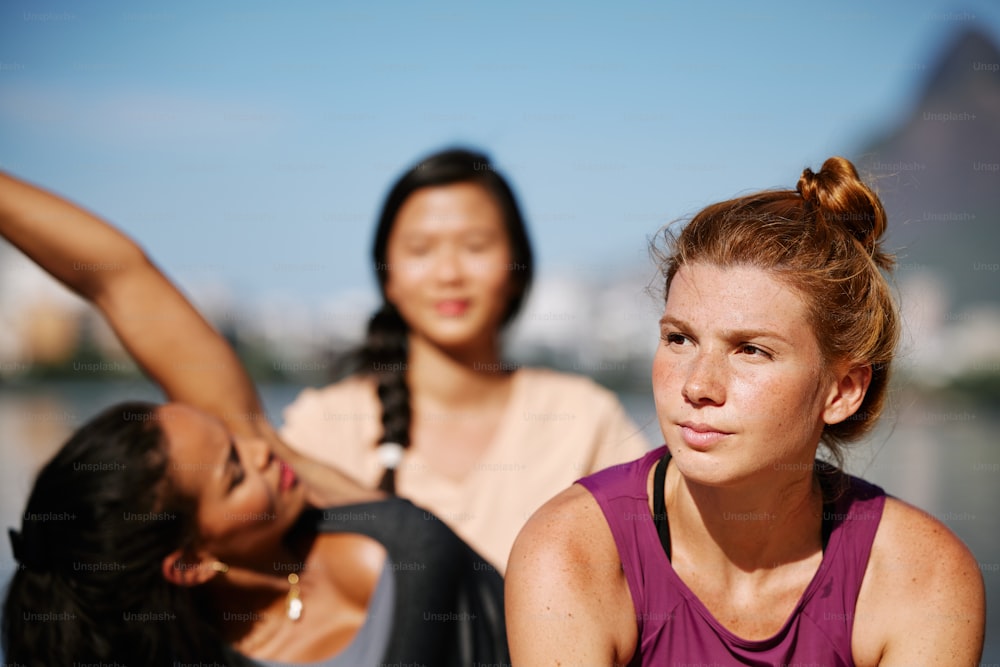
250	143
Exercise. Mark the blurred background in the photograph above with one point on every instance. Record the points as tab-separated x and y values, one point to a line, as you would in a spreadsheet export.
247	146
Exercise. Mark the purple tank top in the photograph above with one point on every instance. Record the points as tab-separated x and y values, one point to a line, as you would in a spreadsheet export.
675	628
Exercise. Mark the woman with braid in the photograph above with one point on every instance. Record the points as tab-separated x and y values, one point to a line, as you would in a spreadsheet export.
733	544
433	413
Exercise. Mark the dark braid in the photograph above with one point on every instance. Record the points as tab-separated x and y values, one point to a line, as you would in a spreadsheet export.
384	353
384	356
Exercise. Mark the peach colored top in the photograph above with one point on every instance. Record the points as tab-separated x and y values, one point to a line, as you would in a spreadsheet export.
558	427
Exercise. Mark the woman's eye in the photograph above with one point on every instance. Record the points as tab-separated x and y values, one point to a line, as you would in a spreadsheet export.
754	351
672	338
478	244
237	468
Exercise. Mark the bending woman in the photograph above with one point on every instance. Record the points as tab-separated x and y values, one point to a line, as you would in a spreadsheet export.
732	545
188	533
433	412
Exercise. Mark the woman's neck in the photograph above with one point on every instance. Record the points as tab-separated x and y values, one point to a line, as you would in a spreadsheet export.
455	377
252	610
252	601
252	597
752	529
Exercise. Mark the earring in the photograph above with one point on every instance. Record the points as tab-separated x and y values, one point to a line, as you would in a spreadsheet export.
293	601
220	567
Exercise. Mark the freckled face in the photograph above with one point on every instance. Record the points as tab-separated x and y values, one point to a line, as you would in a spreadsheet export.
740	386
449	263
246	498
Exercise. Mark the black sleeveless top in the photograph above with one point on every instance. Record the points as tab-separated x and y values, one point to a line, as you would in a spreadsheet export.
448	600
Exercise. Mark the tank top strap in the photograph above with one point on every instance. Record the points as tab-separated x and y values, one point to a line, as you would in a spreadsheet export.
660	504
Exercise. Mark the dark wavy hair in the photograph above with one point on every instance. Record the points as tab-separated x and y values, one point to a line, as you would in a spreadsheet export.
384	352
101	517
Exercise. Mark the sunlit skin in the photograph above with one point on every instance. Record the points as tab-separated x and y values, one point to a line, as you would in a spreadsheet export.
742	391
246	502
742	395
243	505
449	267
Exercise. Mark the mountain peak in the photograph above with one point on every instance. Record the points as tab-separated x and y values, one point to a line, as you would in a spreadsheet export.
969	62
938	171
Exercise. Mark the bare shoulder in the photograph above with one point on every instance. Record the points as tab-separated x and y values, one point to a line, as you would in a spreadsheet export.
922	594
566	594
570	527
913	547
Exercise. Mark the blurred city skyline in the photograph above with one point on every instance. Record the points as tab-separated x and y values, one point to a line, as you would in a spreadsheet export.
248	146
105	122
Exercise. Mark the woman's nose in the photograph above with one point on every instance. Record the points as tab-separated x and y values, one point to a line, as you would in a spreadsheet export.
448	265
705	383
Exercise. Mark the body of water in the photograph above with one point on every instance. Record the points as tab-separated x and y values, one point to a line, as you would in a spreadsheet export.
943	457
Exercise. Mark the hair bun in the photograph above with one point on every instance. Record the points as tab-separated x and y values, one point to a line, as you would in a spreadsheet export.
840	199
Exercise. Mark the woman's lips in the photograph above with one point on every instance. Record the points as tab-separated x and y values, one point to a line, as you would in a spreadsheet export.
452	307
287	479
701	436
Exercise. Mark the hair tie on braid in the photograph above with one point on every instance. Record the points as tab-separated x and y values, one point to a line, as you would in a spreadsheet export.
390	454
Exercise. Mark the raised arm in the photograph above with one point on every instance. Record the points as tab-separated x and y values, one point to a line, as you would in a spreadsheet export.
161	330
169	339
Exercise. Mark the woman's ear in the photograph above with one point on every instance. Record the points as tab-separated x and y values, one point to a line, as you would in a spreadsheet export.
184	567
847	393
